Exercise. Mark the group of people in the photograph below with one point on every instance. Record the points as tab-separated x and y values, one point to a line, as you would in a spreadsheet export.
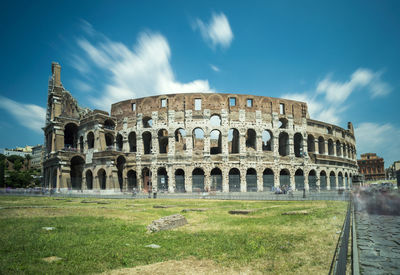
284	189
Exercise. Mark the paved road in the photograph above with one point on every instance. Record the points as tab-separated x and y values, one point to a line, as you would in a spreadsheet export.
378	238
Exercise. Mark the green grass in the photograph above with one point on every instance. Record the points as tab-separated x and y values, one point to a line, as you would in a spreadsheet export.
92	238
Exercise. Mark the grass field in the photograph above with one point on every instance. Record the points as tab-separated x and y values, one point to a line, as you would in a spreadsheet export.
111	236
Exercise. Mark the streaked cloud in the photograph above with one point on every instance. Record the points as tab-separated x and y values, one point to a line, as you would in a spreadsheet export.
338	92
328	101
214	68
28	115
82	86
380	139
139	71
217	32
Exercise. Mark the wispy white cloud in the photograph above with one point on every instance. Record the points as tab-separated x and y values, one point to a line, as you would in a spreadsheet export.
382	139
28	115
82	86
217	32
338	92
328	101
139	71
214	68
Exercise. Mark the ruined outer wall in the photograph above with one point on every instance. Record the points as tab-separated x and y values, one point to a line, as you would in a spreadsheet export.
331	150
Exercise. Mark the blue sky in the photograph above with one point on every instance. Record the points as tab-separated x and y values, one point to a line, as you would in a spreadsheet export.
342	57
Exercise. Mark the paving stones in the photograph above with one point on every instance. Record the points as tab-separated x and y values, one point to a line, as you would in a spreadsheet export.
52	259
300	212
156	246
378	238
242	211
163	206
194	210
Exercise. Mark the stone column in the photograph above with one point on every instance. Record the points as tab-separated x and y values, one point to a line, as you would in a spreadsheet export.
276	144
277	179
306	186
243	183
188	181
171	179
259	181
291	146
225	181
326	147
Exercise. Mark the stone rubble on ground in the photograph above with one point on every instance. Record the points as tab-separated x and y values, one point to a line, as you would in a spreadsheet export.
167	223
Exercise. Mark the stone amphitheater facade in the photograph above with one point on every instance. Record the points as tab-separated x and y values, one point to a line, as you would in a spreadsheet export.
192	142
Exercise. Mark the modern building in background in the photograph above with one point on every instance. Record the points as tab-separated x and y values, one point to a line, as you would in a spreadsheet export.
371	166
37	157
391	172
18	151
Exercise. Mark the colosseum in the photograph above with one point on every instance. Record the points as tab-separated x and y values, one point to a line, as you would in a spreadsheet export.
192	142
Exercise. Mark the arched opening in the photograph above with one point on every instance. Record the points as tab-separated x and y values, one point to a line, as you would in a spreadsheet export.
198	180
338	149
266	137
90	140
147	122
340	179
70	137
198	140
109	124
216	180
132	142
332	180
330	147
180	181
283	123
321	145
119	142
77	165
215	142
109	141
234	180
163	141
81	144
233	141
251	138
53	179
132	180
180	140
162	179
251	180
89	180
312	180
284	178
102	177
146	179
323	185
346	181
298	145
120	167
299	179
283	144
215	120
147	146
311	143
344	150
268	179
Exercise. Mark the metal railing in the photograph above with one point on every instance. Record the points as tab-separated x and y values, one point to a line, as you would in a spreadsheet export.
340	261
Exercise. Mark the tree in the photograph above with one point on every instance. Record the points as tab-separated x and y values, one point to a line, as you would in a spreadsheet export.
17	165
28	158
2	168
